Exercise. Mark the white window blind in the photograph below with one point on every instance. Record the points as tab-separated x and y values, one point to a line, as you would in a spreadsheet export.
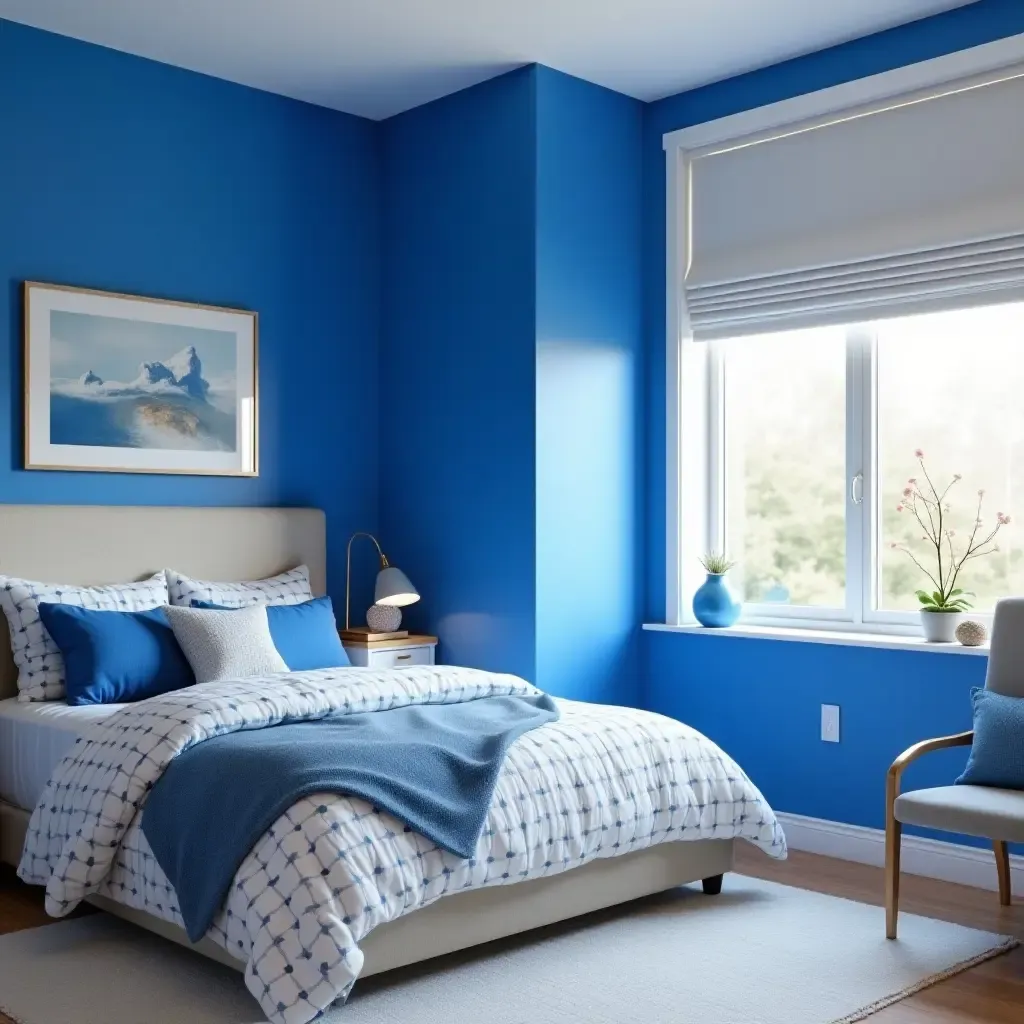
912	205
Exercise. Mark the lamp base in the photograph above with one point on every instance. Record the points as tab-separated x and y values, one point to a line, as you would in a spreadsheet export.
363	634
384	618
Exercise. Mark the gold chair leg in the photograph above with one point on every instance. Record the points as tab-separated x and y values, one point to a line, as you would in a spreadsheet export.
893	835
1003	870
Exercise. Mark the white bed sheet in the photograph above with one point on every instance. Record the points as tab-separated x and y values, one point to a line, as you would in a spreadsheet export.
34	739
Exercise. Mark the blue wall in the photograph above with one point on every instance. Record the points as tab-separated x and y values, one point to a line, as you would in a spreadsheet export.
761	699
589	360
457	429
511	357
123	174
431	291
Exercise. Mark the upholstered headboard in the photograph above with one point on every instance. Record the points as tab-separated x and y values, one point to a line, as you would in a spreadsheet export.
93	544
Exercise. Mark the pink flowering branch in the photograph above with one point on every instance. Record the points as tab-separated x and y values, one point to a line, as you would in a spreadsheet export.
939	536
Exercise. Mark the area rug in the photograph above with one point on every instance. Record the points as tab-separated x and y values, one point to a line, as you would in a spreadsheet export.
760	953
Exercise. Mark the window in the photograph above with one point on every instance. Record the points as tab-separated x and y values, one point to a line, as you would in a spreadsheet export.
782	410
812	435
953	385
845	285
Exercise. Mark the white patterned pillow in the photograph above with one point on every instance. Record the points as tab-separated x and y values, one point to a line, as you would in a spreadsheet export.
37	657
290	587
226	645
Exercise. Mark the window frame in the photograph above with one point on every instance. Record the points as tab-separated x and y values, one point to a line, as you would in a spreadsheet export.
862	504
689	439
862	499
857	465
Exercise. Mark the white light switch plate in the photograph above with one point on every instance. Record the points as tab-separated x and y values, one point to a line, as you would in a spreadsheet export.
830	723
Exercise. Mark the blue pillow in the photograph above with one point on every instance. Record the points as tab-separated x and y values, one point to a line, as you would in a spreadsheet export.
113	657
997	754
305	635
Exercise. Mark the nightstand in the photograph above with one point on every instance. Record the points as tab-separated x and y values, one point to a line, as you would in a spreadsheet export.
408	650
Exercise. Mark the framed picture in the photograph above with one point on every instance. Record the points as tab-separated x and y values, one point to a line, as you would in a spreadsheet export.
124	384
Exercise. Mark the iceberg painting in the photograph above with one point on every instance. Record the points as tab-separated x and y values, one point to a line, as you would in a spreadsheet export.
164	402
170	390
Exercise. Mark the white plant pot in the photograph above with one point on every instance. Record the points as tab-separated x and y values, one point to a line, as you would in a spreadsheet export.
940	627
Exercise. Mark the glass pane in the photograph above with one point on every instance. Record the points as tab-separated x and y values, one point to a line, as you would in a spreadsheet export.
951	385
785	440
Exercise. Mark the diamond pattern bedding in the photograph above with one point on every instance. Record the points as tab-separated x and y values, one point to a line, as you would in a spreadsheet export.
38	658
600	782
291	587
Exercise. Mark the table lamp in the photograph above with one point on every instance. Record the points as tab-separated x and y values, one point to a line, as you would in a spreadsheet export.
392	588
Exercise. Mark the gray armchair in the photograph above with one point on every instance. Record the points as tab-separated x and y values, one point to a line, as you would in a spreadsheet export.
996	814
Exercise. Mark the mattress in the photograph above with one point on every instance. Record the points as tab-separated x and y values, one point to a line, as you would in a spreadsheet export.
33	740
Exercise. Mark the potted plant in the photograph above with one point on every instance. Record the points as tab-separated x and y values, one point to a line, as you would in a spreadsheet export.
942	608
714	604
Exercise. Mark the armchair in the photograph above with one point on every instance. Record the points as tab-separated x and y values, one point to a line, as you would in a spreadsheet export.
996	814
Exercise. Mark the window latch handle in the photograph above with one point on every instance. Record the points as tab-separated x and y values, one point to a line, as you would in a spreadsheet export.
857	489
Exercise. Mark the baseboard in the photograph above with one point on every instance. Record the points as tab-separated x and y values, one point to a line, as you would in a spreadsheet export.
951	862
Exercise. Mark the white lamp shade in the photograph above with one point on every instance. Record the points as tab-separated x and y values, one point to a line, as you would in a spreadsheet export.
393	588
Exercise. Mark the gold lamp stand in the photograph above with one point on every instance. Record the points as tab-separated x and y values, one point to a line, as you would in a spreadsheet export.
392	588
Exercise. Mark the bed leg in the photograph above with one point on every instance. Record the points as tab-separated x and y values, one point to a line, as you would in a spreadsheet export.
712	885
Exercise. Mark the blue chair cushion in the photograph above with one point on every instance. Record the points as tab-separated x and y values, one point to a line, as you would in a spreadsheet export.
115	657
997	753
305	635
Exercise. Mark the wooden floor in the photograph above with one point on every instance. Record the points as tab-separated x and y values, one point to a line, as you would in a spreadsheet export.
992	993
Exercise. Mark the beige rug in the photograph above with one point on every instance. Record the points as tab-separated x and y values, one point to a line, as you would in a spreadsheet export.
760	953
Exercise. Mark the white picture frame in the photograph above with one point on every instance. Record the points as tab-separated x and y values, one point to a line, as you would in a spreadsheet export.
127	384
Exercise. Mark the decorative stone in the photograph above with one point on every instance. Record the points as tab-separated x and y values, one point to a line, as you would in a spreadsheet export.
384	618
971	634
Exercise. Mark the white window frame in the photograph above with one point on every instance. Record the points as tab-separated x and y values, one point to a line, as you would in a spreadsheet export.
694	504
862	512
856	467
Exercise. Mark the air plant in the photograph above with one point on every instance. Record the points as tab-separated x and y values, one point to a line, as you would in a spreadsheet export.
931	510
716	563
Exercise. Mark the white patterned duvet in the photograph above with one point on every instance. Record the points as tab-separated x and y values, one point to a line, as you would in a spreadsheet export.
600	782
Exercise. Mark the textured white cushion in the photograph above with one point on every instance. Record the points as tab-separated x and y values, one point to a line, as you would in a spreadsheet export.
38	658
290	587
226	645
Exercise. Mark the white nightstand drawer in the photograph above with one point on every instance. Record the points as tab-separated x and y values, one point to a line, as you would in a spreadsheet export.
401	657
394	653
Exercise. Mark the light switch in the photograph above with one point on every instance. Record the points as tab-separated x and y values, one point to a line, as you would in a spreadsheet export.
830	723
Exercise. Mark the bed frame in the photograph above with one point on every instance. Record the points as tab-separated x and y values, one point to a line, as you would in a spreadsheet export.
108	544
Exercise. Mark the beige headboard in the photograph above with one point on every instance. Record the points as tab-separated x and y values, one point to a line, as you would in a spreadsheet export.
92	544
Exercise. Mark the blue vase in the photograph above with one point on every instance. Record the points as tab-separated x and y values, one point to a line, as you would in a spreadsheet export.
714	605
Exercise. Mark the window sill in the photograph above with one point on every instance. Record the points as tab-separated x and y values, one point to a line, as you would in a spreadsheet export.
821	636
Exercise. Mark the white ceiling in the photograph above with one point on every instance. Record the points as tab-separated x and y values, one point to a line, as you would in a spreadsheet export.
379	57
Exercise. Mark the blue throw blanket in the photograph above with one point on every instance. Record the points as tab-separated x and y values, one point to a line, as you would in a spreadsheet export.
432	766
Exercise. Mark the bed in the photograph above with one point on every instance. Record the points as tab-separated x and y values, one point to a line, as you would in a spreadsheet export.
89	545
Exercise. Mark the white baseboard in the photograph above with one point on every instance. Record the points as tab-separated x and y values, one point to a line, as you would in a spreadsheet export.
951	862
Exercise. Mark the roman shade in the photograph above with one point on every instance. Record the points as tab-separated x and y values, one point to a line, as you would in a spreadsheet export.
914	204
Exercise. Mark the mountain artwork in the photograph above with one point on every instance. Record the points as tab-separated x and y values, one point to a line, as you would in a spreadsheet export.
127	384
168	405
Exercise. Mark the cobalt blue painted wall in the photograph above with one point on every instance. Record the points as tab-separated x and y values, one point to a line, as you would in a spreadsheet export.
457	368
589	479
761	699
510	371
123	174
